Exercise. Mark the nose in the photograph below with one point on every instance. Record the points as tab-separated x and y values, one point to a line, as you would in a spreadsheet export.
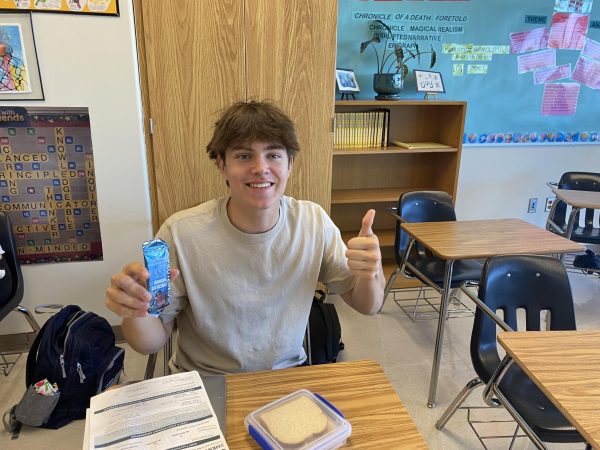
261	165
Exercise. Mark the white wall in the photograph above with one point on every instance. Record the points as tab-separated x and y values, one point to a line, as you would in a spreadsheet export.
91	61
498	181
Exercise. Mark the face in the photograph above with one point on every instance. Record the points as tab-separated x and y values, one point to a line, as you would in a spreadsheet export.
257	173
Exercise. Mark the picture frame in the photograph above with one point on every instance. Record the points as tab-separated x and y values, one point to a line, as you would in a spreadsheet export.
346	81
429	82
22	80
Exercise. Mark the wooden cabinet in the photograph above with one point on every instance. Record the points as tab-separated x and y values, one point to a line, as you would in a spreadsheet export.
375	177
197	57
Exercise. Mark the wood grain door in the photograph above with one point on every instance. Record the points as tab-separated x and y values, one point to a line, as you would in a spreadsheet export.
194	67
196	57
291	58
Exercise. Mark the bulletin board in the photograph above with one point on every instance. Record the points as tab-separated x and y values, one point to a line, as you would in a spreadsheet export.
48	183
529	71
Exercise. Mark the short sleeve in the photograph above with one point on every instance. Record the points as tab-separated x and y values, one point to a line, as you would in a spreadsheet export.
334	272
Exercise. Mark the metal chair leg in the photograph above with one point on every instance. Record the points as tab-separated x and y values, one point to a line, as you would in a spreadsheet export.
150	366
460	398
388	287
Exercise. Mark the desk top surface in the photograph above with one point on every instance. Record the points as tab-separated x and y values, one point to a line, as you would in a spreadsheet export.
579	199
359	389
473	239
566	366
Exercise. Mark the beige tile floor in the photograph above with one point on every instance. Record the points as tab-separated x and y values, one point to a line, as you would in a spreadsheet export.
402	347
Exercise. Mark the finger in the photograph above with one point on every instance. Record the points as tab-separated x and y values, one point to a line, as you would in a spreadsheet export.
131	285
137	271
367	224
125	305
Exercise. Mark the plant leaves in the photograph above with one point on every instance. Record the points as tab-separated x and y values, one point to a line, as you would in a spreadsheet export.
433	58
389	30
364	45
399	52
404	71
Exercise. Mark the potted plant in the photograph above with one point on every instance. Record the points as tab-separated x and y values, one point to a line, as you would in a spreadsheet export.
391	66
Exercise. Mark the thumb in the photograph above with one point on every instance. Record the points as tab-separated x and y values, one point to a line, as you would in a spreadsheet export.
367	223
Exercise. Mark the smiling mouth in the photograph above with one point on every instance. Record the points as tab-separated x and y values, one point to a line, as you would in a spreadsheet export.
260	185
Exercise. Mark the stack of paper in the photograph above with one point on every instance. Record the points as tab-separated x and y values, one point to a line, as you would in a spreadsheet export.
166	412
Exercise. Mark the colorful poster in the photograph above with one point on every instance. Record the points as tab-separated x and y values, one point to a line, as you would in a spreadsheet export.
547	74
532	61
14	70
587	72
48	183
110	7
527	41
568	30
560	99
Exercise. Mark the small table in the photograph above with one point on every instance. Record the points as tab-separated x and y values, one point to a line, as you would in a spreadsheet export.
478	239
359	389
578	200
565	365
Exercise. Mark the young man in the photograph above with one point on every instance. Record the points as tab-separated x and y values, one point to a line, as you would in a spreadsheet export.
245	266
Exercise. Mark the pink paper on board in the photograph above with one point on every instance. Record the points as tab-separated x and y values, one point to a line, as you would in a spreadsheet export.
591	49
532	61
587	71
527	41
568	30
560	99
546	74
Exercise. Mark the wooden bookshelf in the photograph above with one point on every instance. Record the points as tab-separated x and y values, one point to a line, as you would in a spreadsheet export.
364	178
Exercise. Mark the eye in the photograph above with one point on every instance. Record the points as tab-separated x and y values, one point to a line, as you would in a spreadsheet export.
242	156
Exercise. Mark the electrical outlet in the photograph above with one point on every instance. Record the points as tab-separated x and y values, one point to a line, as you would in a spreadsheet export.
532	205
549	203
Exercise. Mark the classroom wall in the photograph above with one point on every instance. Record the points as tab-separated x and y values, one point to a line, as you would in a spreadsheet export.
91	61
498	181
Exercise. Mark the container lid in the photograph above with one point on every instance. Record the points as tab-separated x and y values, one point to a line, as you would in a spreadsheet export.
300	421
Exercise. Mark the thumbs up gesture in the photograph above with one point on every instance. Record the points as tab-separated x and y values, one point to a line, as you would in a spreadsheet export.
363	253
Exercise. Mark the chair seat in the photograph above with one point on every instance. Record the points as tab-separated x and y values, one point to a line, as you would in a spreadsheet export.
584	235
462	270
535	408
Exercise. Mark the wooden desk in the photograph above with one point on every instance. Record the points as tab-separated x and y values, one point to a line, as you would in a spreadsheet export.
578	200
359	389
478	239
566	367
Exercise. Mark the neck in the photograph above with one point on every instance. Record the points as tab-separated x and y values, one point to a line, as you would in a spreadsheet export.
252	221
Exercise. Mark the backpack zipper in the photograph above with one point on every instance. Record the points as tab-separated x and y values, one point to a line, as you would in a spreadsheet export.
64	347
80	372
110	365
62	365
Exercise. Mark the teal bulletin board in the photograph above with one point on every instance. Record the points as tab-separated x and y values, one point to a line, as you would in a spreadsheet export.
528	70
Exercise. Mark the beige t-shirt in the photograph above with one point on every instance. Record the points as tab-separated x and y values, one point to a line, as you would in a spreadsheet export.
243	300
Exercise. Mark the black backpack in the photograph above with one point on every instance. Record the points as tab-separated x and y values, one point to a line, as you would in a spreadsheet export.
325	332
76	350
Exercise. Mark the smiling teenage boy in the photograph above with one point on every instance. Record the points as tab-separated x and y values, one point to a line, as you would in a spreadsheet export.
245	266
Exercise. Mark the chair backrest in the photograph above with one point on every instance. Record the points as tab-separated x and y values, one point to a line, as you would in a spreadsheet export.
576	181
510	283
421	206
11	286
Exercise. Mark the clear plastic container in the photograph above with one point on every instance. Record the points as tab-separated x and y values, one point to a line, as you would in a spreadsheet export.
301	420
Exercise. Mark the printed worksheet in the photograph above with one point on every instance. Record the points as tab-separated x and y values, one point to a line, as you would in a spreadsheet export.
166	412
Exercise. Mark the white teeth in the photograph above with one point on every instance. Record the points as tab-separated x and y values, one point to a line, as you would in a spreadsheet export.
260	185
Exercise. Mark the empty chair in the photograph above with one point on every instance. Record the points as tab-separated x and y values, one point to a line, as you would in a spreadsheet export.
558	220
533	284
426	206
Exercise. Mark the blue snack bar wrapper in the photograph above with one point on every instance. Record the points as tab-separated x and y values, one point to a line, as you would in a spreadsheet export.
156	259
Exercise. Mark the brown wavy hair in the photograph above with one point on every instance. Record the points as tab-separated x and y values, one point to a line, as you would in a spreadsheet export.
245	122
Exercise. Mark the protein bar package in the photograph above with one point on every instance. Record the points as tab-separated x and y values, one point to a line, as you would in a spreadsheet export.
156	259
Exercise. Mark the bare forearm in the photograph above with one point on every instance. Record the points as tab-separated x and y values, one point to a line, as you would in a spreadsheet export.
367	295
146	334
